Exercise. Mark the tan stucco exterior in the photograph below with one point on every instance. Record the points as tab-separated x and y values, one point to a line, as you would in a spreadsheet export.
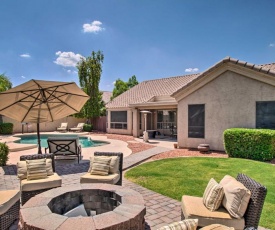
230	97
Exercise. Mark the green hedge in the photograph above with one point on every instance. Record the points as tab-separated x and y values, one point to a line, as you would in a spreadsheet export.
4	154
6	128
255	144
88	127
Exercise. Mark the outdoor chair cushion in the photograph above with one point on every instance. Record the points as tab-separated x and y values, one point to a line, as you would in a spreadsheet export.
22	169
193	208
213	195
113	167
100	166
217	227
188	224
236	196
109	179
49	182
7	199
36	169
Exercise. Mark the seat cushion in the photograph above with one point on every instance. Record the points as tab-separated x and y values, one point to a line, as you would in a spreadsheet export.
213	195
109	179
236	196
49	182
193	208
36	169
217	227
7	199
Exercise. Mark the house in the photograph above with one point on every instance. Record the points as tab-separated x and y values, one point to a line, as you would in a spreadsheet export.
232	93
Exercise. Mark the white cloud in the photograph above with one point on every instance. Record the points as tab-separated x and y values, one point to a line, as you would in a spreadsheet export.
26	55
93	27
67	59
114	82
191	70
23	77
71	71
272	45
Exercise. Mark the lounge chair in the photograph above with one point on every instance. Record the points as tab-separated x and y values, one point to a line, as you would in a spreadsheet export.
63	127
78	128
64	146
113	176
193	208
31	186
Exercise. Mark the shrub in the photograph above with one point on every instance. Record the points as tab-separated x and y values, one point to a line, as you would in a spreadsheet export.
6	128
4	154
255	144
88	127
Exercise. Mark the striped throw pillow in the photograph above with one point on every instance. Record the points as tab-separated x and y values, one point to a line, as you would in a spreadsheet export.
101	166
36	169
213	195
188	224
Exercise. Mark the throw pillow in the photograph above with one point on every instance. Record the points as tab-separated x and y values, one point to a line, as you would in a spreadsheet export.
236	196
114	164
49	167
22	170
213	195
36	169
217	227
101	166
188	224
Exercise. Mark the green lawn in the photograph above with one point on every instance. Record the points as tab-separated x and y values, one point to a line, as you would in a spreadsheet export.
170	177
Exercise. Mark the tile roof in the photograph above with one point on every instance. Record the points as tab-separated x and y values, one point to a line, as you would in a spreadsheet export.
106	96
270	66
145	90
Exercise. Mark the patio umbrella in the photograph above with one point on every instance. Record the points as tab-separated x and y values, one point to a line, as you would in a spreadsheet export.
38	101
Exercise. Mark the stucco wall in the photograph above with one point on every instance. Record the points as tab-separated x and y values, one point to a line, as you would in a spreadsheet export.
230	101
44	127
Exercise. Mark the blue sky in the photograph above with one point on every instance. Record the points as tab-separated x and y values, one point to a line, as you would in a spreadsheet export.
147	38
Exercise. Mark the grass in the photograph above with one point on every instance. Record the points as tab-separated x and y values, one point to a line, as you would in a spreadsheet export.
170	177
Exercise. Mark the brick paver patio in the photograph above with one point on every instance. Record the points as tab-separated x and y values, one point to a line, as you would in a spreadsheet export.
160	209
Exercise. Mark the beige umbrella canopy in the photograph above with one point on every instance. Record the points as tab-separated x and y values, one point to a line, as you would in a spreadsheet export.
38	101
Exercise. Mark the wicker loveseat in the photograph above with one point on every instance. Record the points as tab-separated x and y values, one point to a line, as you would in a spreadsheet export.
193	208
30	188
111	178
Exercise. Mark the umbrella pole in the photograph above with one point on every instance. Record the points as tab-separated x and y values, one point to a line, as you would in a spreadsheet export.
38	140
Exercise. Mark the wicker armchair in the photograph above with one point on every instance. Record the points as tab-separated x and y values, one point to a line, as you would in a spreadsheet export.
34	187
88	178
252	214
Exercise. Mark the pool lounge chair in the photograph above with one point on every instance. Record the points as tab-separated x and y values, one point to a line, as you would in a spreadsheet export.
62	127
79	127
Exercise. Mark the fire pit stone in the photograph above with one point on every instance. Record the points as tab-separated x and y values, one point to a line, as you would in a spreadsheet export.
115	207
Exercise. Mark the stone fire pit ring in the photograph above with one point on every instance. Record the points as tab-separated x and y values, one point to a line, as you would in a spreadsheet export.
116	207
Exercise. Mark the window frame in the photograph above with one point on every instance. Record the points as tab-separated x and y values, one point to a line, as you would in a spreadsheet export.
256	118
118	124
202	136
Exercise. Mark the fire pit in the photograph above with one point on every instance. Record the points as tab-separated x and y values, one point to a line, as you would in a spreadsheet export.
107	207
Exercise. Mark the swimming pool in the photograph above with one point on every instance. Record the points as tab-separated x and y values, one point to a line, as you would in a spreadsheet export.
85	142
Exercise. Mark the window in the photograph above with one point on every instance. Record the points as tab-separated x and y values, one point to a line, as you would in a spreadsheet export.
265	114
196	123
118	120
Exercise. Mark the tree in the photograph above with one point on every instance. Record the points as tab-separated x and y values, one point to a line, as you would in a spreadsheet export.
122	86
89	73
5	84
132	81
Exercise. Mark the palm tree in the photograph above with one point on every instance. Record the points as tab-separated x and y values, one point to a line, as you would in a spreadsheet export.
5	84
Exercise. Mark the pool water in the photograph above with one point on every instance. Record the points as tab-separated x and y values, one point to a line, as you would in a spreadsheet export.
85	142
